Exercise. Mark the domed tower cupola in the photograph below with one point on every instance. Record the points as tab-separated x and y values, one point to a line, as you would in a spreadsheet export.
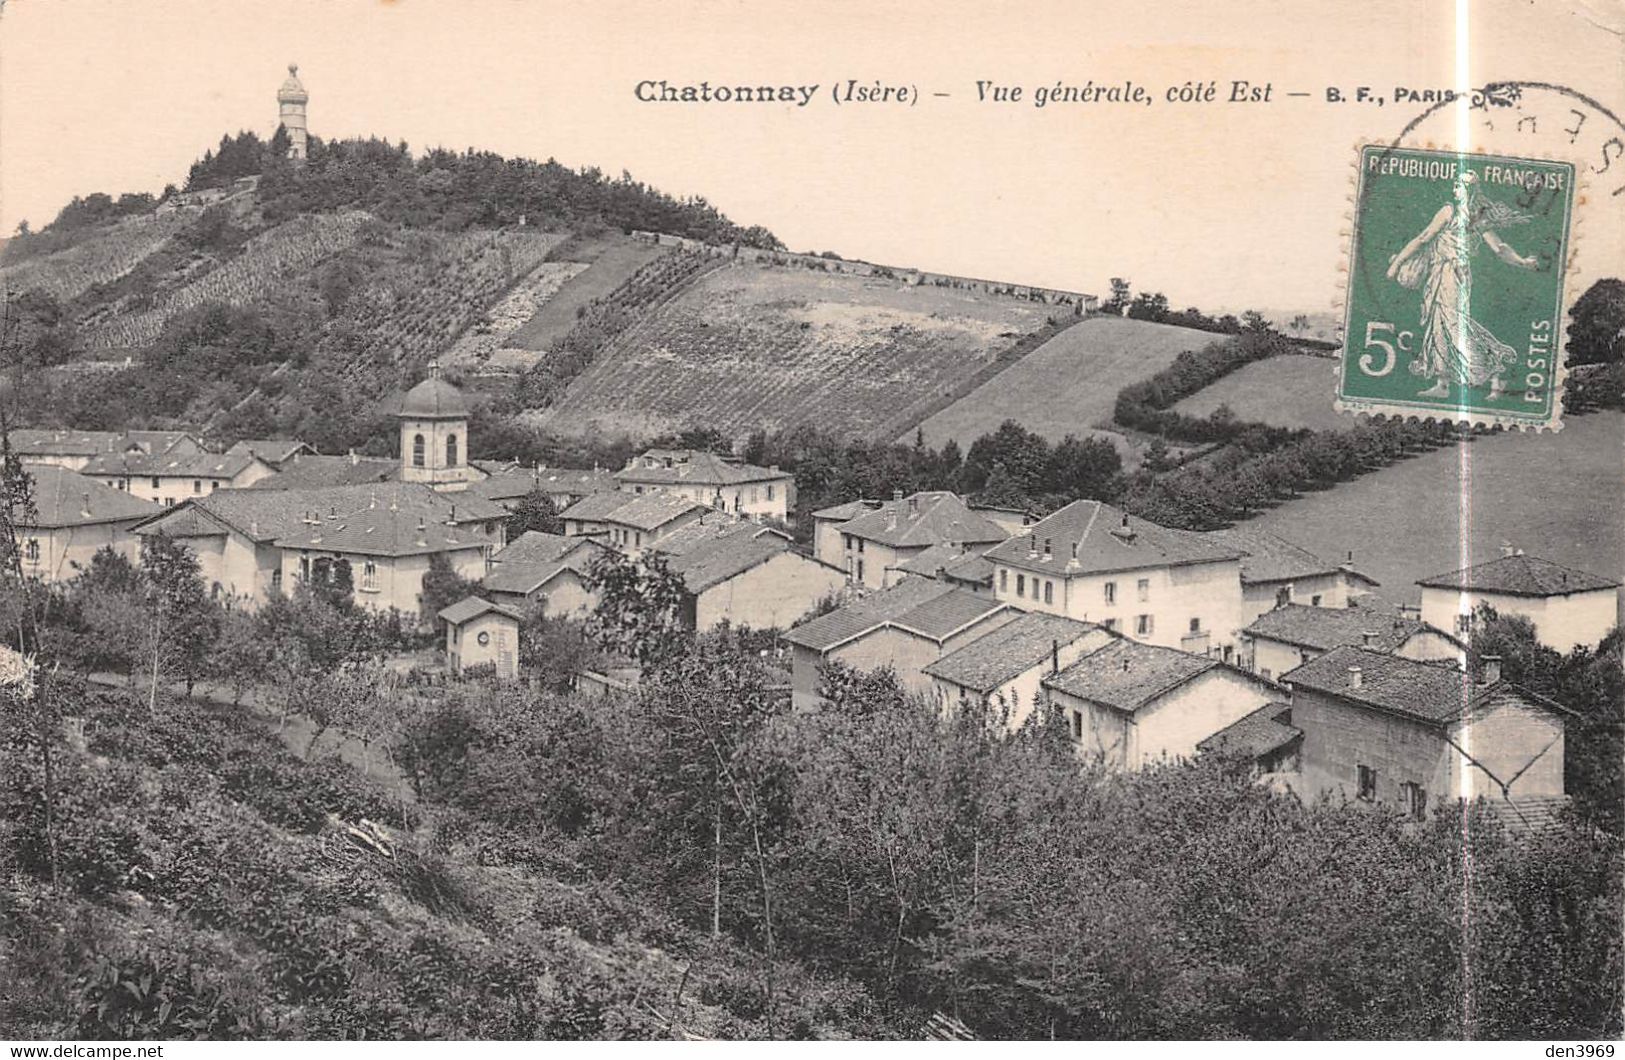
434	434
291	99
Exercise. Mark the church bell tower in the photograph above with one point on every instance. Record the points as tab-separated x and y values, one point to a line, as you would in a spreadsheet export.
291	99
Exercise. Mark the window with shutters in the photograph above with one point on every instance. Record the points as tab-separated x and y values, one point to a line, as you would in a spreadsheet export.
1143	587
1415	800
1021	585
1111	592
1367	782
1142	625
1049	592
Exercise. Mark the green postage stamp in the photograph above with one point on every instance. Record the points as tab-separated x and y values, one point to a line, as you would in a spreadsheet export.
1454	306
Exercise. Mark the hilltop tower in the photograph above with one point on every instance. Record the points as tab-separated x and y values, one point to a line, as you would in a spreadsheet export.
291	99
434	435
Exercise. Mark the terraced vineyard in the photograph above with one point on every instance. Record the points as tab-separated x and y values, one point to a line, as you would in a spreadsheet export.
611	260
268	261
1069	384
70	273
493	333
749	346
1293	391
416	311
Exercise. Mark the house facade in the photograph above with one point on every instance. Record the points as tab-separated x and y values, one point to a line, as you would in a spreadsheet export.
906	627
872	542
74	517
1094	563
717	481
168	479
481	633
1416	736
746	575
1005	669
550	572
74	449
1131	704
1290	635
1276	572
1569	608
631	523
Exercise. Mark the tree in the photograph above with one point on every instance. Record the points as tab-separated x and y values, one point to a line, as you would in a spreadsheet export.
1118	303
1597	325
535	511
1253	321
1146	306
182	621
640	607
442	587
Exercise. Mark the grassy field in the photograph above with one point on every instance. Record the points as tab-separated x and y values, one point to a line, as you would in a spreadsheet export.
1291	391
610	261
1069	384
1554	496
749	346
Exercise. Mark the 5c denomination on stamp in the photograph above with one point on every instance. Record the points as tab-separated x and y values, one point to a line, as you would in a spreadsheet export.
1455	297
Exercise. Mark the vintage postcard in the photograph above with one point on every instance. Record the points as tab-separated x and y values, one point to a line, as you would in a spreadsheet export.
836	520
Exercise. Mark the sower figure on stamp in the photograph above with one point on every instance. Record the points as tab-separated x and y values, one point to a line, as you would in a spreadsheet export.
1455	347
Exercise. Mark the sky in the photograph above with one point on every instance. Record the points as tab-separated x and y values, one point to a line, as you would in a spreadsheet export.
1223	206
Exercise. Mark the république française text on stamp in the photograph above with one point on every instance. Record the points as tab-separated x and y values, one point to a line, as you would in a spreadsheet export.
1455	298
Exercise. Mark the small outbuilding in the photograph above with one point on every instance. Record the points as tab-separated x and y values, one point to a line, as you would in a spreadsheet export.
480	633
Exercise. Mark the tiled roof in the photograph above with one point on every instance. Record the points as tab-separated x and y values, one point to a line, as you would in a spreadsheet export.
1126	674
311	471
826	631
1270	558
1008	652
1266	729
719	552
472	607
1325	628
597	507
931	560
941	617
921	520
1520	575
1429	692
510	483
842	512
647	511
1107	540
65	498
36	442
526	578
1531	815
381	519
694	468
260	515
533	547
226	465
971	569
274	451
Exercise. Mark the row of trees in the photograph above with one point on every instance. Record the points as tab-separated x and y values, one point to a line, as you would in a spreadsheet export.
946	863
452	191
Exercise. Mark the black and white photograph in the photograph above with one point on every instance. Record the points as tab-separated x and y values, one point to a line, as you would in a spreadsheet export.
848	521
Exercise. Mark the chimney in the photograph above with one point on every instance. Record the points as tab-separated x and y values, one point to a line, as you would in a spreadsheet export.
1355	677
1492	670
913	506
1506	550
254	528
896	495
86	510
1054	656
1368	638
1073	562
1125	664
